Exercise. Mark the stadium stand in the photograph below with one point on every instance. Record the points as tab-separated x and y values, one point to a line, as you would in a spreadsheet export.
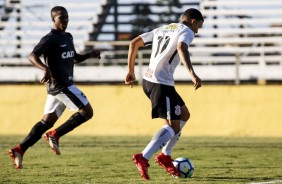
240	41
28	21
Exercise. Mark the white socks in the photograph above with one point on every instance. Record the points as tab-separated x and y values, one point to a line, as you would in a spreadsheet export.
167	149
159	140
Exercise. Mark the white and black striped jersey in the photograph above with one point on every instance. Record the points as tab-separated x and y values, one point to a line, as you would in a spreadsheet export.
164	57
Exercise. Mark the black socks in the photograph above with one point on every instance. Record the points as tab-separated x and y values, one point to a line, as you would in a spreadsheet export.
74	121
34	135
39	128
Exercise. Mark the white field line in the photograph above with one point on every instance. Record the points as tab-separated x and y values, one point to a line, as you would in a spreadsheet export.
267	182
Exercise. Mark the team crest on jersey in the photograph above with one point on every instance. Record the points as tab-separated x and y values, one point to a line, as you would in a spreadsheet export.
177	110
172	26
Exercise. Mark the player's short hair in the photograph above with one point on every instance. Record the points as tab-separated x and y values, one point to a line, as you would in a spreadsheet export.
193	13
57	9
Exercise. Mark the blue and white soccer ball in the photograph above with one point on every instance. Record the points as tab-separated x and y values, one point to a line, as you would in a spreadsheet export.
184	166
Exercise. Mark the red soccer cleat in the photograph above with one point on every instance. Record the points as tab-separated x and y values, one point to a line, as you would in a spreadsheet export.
142	165
166	162
53	140
16	154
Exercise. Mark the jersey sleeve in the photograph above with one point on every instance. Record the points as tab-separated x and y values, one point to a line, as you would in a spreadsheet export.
71	38
186	37
43	45
148	37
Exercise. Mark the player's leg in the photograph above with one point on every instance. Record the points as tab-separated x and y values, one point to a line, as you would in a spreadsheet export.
34	135
172	111
74	121
185	115
163	106
75	100
142	163
161	138
52	138
54	108
165	160
157	142
37	130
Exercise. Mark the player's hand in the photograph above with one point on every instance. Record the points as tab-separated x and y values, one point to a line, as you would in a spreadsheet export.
95	54
130	79
47	76
197	81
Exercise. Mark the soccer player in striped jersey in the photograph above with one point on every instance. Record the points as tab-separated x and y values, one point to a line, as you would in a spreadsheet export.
58	51
170	44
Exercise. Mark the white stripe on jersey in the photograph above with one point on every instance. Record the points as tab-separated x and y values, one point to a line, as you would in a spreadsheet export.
164	58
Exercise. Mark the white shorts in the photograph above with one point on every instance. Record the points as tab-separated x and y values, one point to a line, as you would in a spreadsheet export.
70	97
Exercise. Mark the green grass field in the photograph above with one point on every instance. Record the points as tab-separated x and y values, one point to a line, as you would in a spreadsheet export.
108	160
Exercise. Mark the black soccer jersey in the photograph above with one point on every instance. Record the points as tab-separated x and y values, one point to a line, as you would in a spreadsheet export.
58	52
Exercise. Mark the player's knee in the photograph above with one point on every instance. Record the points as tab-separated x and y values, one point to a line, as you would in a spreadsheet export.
49	119
175	125
185	114
90	114
87	111
176	129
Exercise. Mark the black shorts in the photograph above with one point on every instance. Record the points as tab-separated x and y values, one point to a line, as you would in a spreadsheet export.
166	102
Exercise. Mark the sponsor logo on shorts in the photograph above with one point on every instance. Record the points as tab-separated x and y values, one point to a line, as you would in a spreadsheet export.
177	110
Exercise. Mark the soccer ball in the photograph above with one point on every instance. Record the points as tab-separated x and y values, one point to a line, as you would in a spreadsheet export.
184	166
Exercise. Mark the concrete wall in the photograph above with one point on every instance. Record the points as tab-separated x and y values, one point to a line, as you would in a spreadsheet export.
118	110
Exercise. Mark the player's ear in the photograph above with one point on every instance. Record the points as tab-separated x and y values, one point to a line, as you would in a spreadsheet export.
193	21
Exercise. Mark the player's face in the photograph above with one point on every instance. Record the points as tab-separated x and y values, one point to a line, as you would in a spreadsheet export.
196	24
61	20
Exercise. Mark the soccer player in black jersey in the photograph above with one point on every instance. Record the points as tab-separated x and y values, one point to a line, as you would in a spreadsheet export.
59	54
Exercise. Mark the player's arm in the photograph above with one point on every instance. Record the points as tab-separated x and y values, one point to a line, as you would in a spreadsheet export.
182	49
36	61
134	45
78	58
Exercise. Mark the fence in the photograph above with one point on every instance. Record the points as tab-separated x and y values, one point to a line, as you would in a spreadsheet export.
255	63
240	41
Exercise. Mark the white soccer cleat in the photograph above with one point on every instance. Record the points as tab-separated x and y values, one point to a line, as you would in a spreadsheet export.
17	155
53	140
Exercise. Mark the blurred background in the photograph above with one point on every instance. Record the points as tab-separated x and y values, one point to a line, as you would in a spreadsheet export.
240	44
241	40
